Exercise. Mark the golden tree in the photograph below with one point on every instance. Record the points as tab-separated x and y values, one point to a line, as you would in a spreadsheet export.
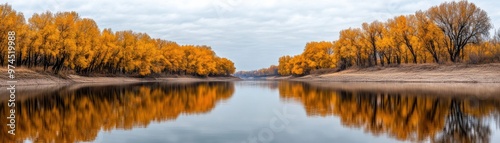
371	34
462	23
10	20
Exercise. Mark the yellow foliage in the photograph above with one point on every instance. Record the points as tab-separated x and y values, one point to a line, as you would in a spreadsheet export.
64	40
440	34
316	55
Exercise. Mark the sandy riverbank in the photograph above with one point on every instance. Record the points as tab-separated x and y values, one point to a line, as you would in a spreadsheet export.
422	73
478	90
25	76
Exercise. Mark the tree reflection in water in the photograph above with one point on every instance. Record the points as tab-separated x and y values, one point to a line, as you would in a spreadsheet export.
461	127
78	115
404	116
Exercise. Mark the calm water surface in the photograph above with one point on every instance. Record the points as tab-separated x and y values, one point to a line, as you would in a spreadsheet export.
248	111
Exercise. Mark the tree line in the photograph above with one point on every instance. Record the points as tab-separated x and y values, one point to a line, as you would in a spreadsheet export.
66	41
270	71
451	32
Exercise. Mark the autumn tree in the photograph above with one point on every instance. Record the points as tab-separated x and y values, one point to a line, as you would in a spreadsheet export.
393	41
404	34
496	44
462	23
300	66
225	67
284	65
386	45
174	55
10	20
430	36
43	41
105	53
65	47
316	55
349	48
87	44
319	55
371	34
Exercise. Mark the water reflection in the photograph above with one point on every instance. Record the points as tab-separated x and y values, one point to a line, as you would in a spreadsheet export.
73	115
412	116
79	113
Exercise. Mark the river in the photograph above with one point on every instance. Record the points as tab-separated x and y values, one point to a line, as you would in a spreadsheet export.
250	112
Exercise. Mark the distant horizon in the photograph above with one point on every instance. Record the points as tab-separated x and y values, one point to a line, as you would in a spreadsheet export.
253	34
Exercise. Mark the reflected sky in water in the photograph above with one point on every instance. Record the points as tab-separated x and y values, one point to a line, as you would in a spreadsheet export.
249	111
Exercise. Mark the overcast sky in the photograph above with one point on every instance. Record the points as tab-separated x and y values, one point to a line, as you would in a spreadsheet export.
252	33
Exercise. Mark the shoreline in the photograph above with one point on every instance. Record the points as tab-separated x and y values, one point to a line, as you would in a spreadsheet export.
410	73
459	90
406	73
28	77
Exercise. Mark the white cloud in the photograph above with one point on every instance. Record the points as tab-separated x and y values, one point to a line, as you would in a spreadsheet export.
254	34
